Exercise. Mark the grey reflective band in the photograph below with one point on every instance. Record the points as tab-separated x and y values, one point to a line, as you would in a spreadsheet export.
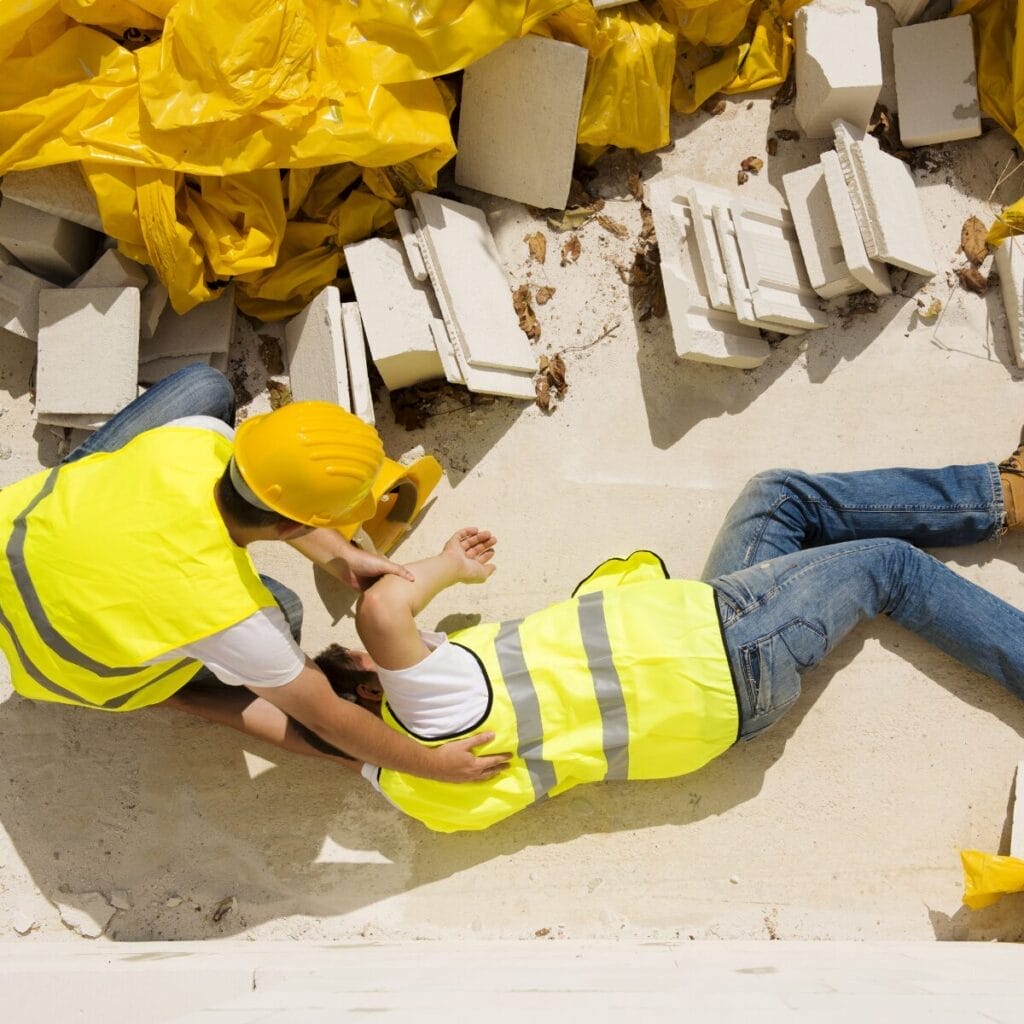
508	646
244	490
607	684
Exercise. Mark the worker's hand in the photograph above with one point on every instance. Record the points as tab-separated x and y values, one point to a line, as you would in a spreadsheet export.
472	550
361	569
456	762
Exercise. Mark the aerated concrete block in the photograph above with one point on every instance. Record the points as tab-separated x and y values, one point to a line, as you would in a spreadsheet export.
1010	264
61	190
112	270
358	371
315	351
408	226
19	301
396	312
907	11
207	328
936	83
838	65
50	246
818	232
88	350
156	369
519	118
154	302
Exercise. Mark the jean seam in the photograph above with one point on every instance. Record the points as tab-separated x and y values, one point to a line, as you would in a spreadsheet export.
998	506
765	520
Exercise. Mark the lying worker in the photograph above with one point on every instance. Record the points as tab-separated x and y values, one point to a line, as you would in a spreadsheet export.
125	570
638	676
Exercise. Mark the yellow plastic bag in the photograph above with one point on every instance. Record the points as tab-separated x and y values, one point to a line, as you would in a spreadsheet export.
987	877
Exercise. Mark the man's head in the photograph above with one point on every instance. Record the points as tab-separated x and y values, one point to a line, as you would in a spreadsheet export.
352	676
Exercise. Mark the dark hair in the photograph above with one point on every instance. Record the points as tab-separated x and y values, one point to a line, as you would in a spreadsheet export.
343	672
240	511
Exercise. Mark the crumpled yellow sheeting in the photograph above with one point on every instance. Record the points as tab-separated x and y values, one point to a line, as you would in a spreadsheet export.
987	877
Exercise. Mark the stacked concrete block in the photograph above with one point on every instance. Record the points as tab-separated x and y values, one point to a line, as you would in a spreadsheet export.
519	118
57	249
407	226
19	301
315	352
396	312
60	190
838	65
112	270
88	348
154	302
358	370
936	82
1010	264
207	328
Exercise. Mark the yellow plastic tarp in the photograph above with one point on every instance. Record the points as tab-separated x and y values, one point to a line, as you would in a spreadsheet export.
987	877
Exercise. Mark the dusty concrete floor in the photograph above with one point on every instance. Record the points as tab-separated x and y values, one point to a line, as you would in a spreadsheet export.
842	823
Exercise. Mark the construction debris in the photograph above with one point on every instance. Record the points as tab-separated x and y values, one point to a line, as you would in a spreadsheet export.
1010	265
974	241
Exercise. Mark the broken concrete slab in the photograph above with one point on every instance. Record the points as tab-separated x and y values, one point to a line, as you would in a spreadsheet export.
885	201
518	121
936	82
820	242
50	246
407	227
1010	265
315	351
88	350
470	285
19	300
396	310
60	189
207	328
838	65
358	371
872	274
156	369
112	270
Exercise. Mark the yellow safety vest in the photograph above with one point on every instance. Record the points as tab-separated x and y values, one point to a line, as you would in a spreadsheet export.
114	560
628	679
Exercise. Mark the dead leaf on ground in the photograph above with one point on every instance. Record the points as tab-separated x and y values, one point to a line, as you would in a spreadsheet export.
713	107
786	92
972	279
527	318
556	374
929	311
279	392
571	250
270	354
773	146
646	288
224	908
613	226
543	390
543	295
550	381
752	163
634	182
646	223
742	177
575	217
858	304
972	241
538	245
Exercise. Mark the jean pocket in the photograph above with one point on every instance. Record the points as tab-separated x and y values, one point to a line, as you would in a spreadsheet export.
772	664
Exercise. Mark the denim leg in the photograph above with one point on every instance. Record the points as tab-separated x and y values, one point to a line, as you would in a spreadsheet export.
785	510
194	390
780	617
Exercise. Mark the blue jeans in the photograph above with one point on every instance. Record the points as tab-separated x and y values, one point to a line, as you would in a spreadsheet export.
803	558
195	390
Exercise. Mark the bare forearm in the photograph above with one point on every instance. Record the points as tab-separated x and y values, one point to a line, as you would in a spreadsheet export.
432	575
323	547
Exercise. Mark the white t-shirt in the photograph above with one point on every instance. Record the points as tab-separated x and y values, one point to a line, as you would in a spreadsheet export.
446	694
259	650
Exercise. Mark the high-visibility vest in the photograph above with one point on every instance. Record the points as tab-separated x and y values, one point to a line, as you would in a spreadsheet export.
117	559
628	679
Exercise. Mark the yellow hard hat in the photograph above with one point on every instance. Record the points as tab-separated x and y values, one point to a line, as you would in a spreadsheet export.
309	461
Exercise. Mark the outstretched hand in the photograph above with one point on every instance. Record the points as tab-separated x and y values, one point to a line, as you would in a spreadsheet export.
472	551
456	761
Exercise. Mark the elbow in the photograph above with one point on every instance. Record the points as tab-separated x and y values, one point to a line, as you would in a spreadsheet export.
375	607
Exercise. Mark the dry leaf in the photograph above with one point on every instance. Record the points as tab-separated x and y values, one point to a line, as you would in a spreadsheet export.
972	241
543	295
279	393
571	250
752	163
646	223
556	374
713	107
773	146
931	311
617	229
543	389
634	182
786	92
973	280
527	318
224	908
742	177
270	354
538	246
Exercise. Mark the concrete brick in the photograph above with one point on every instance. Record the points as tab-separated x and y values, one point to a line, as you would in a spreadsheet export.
1010	265
408	226
936	82
818	233
483	379
774	266
61	190
315	351
156	369
57	249
702	199
885	201
470	285
154	302
872	274
519	119
907	11
358	371
88	350
73	421
207	328
838	64
396	311
446	350
19	301
112	270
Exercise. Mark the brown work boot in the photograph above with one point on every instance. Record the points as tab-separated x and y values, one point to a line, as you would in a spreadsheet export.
1011	476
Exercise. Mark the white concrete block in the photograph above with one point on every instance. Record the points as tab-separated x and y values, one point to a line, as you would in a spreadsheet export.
488	381
838	64
112	270
207	328
60	189
519	119
774	266
55	248
699	331
88	350
818	233
396	312
358	371
315	351
407	227
154	302
936	82
907	11
1010	265
19	301
446	350
702	199
872	274
73	421
156	369
470	285
885	200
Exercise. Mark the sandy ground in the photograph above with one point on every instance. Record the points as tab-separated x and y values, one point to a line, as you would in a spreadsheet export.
844	822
